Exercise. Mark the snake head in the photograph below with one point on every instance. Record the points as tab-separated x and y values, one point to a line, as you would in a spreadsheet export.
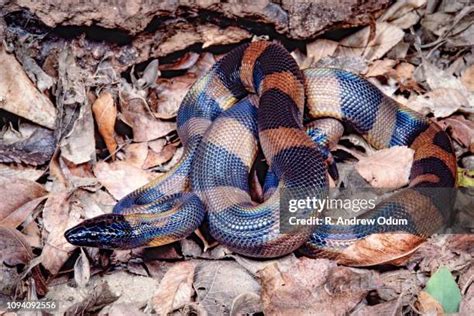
109	231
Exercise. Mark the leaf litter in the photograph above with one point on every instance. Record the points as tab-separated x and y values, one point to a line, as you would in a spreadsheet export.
97	132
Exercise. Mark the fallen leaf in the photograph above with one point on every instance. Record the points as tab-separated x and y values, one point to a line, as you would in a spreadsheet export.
145	127
59	214
14	249
385	248
105	114
171	93
79	145
82	270
386	37
212	285
246	304
331	290
320	48
120	177
446	101
443	288
428	305
100	296
157	159
18	94
468	78
17	192
380	67
462	130
439	79
18	216
387	168
175	288
20	172
136	154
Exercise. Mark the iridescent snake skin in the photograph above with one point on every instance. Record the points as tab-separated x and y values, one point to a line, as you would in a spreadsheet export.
257	93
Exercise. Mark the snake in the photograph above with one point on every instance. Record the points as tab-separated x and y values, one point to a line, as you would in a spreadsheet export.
257	99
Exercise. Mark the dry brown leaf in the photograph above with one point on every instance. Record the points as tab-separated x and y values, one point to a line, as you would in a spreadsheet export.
79	145
136	154
19	95
157	159
15	218
331	290
442	102
82	270
404	72
121	178
386	37
320	48
17	192
175	288
171	93
144	126
59	214
20	172
32	234
105	114
14	249
380	249
380	67
211	282
440	79
428	305
468	78
387	168
462	130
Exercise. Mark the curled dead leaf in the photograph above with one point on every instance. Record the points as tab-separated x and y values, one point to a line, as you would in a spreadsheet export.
175	288
105	115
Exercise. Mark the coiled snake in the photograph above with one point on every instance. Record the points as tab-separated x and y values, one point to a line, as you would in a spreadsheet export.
219	122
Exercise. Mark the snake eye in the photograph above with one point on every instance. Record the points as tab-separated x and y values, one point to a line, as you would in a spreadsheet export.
105	231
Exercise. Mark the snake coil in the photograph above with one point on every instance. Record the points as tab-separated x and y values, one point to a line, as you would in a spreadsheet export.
257	93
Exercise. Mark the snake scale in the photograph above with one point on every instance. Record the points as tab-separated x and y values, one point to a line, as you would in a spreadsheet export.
257	94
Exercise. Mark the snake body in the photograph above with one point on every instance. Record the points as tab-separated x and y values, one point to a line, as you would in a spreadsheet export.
257	93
